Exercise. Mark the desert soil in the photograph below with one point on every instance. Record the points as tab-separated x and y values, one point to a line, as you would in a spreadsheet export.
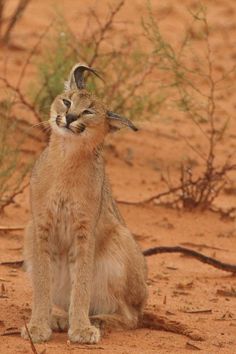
179	287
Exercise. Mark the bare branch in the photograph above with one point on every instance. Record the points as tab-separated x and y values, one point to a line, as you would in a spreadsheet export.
22	98
197	255
34	350
103	30
14	19
32	53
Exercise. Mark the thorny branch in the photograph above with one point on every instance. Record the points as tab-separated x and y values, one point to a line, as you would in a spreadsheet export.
21	97
103	30
137	85
193	192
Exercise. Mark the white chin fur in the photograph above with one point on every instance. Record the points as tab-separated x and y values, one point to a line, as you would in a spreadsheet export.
60	130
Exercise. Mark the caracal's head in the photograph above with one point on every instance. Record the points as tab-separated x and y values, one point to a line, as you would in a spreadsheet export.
78	114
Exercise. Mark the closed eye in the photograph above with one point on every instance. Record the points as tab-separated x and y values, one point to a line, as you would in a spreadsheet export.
67	103
87	111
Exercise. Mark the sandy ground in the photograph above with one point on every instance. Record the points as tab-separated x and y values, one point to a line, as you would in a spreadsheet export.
181	288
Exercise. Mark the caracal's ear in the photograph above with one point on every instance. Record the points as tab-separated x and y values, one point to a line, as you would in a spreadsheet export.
76	77
117	122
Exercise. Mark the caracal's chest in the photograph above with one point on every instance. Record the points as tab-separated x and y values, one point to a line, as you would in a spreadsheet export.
71	203
63	213
67	207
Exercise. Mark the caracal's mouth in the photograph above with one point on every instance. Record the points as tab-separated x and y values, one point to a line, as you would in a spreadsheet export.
78	128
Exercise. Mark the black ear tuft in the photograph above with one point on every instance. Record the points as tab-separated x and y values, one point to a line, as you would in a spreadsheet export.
79	75
76	77
117	122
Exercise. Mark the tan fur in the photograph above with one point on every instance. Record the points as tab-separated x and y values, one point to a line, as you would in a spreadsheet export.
81	256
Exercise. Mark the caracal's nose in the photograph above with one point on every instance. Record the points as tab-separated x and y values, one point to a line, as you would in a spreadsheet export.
70	117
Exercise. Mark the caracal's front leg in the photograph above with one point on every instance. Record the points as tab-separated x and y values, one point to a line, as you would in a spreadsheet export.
81	260
39	325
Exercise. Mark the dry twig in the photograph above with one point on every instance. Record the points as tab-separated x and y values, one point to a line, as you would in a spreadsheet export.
11	228
197	255
160	322
34	350
192	346
11	332
9	200
13	264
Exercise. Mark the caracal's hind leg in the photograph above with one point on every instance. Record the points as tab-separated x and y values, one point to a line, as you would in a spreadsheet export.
124	319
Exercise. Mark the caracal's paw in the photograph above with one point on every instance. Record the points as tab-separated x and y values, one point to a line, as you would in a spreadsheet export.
86	335
59	323
38	332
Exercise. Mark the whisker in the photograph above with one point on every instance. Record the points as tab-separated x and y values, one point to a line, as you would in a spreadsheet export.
46	122
48	128
43	124
39	125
